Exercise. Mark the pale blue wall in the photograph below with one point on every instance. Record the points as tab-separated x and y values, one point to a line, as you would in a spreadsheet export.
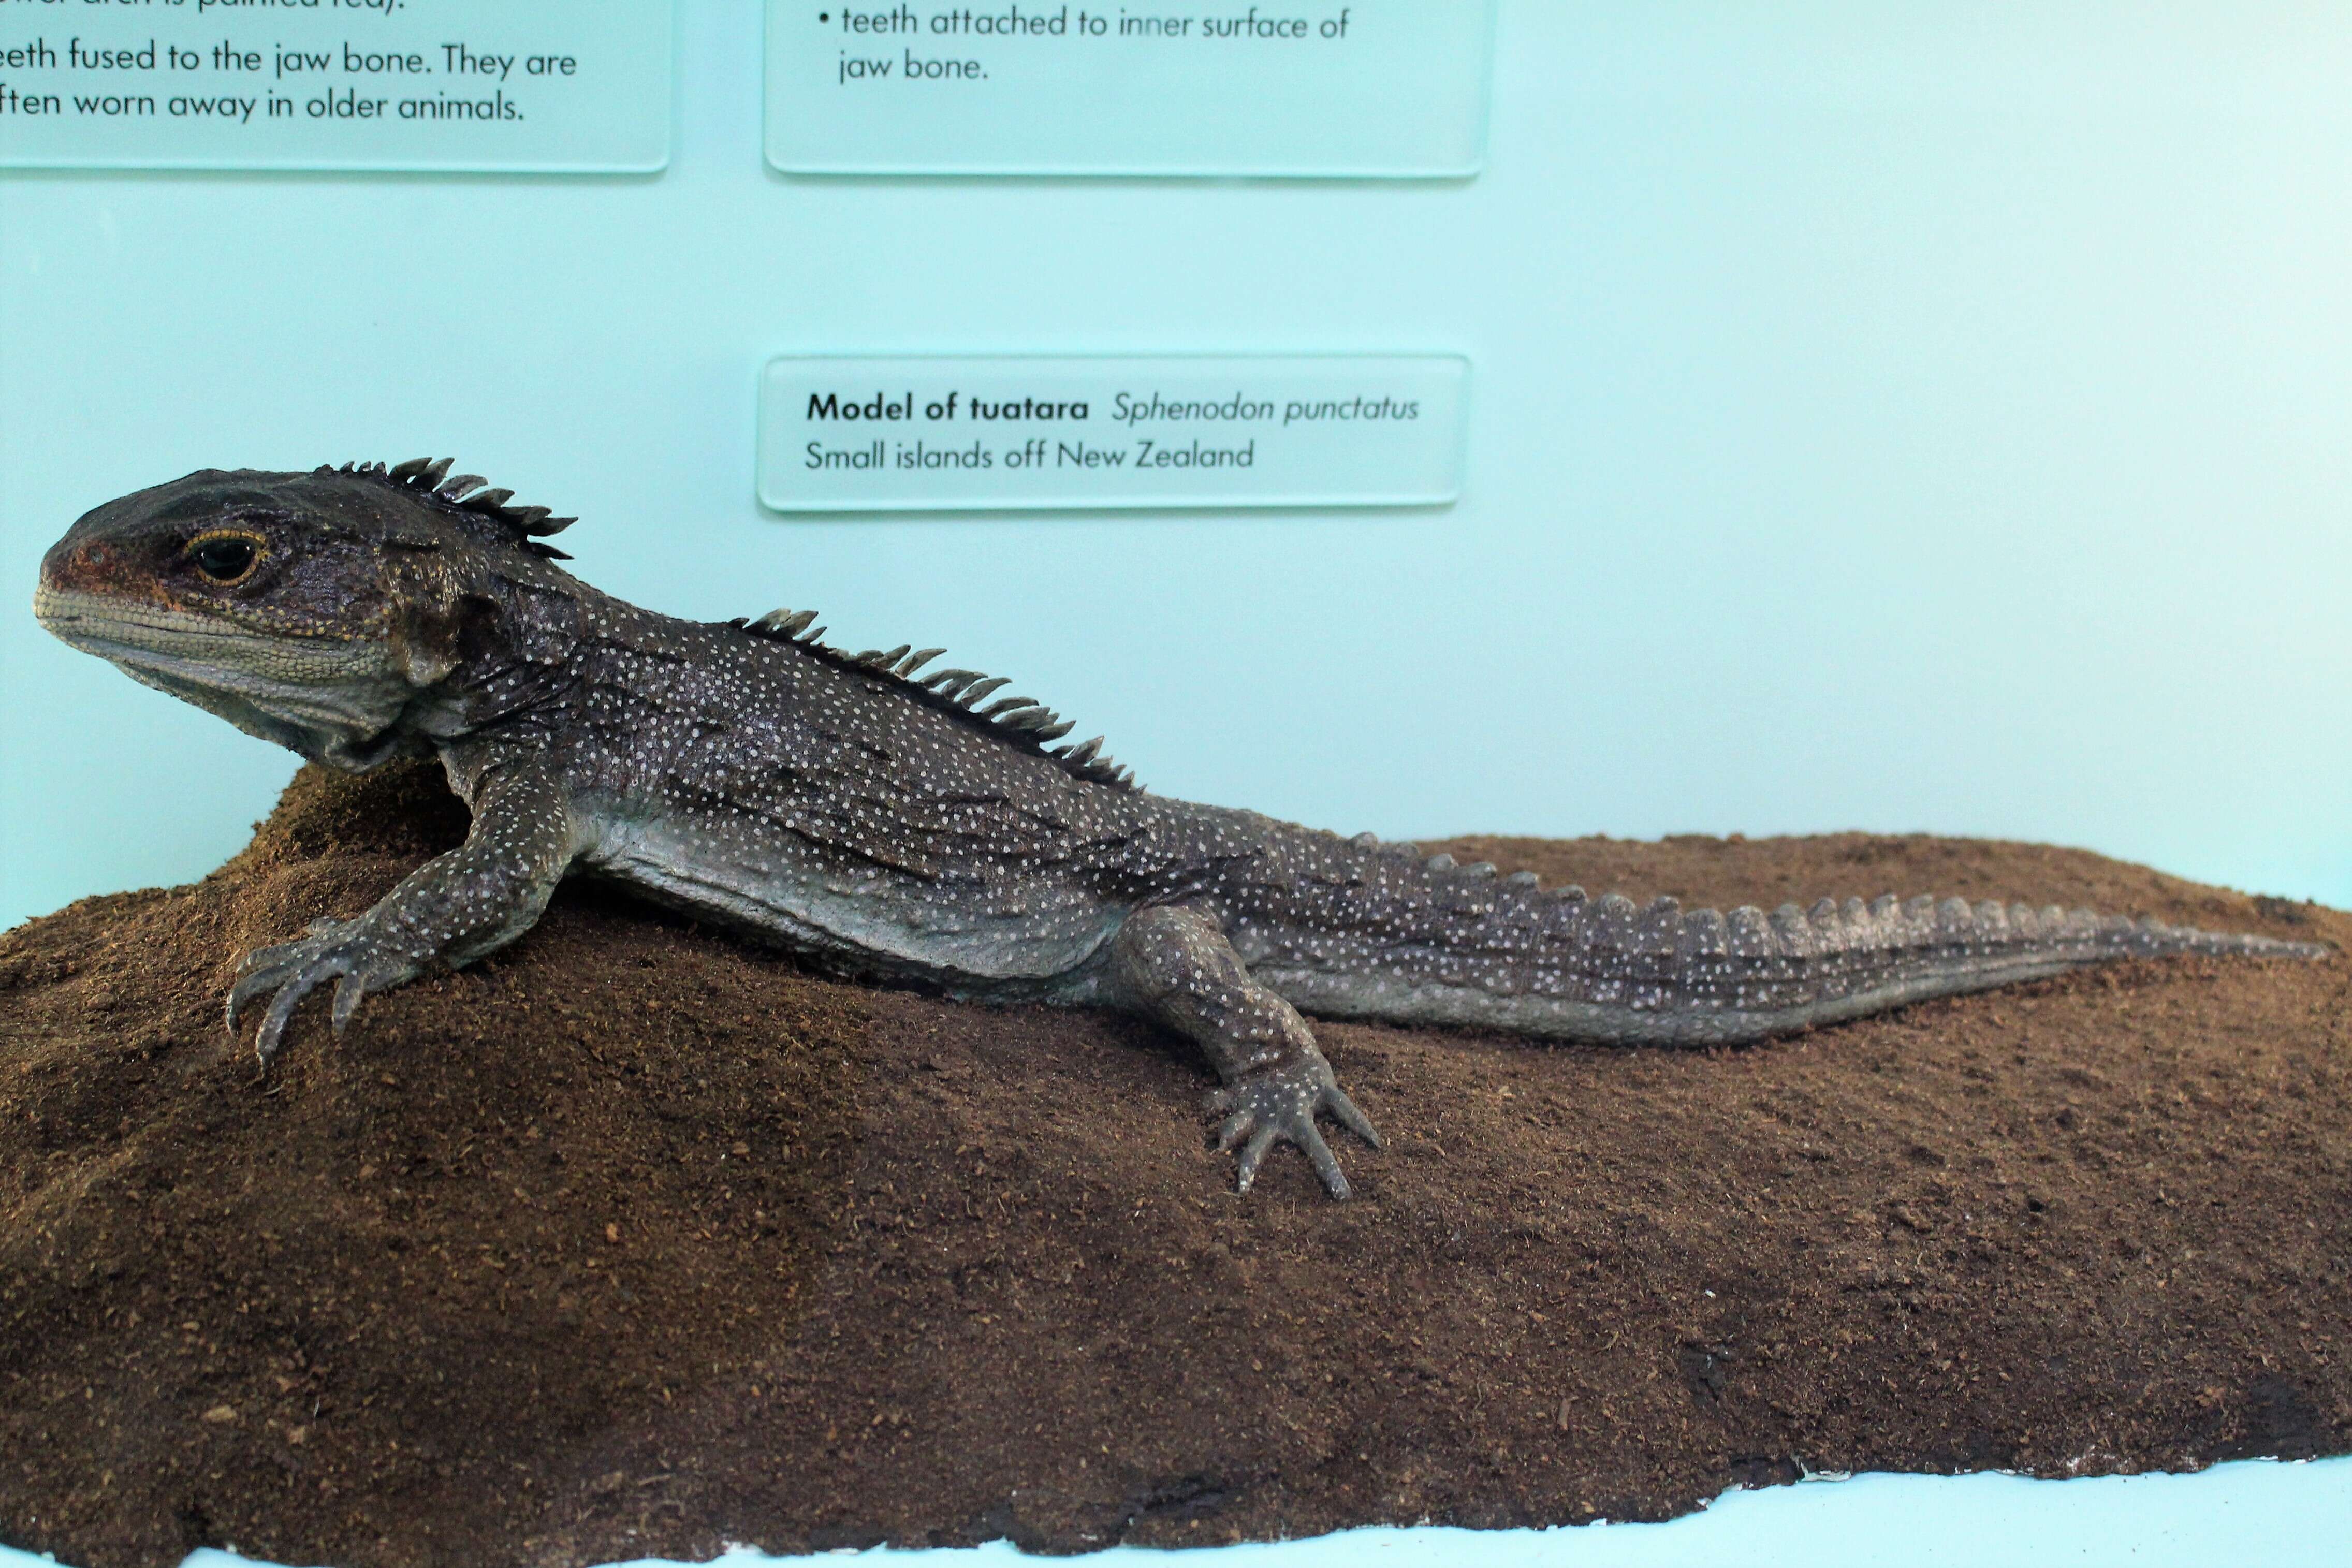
1922	417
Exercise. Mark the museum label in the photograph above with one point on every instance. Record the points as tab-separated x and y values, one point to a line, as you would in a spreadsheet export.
1391	89
524	85
869	434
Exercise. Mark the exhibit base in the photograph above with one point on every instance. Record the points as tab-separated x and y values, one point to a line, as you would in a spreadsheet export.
633	1242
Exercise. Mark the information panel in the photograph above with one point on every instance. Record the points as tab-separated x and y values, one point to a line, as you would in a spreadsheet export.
554	86
876	435
1378	88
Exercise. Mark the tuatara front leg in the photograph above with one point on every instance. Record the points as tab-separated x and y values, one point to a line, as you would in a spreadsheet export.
1172	963
451	910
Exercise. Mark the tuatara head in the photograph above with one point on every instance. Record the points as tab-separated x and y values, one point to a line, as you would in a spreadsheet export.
338	612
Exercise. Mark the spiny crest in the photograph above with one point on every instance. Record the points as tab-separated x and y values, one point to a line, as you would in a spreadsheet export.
1023	722
464	493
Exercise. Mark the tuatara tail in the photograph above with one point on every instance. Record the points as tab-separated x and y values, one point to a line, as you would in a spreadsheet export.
1563	966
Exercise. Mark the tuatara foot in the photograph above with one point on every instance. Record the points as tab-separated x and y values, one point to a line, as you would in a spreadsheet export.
355	954
1280	1103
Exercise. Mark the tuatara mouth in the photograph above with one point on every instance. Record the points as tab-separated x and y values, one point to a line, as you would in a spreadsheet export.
72	613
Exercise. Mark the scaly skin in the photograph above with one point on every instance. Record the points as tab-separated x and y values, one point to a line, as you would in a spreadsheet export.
902	827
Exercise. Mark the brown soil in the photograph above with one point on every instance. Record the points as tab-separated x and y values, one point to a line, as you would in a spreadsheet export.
631	1241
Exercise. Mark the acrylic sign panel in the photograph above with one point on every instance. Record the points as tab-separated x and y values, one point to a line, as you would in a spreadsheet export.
859	433
555	86
1388	88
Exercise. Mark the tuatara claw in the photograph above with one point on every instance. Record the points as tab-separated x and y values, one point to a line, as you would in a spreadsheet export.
345	951
1279	1104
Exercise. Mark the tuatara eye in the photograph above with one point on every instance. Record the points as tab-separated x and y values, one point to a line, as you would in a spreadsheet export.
223	558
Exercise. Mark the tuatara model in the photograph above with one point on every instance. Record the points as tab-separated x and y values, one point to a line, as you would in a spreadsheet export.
902	824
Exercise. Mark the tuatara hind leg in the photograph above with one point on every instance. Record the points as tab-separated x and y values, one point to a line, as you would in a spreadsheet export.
451	910
1173	965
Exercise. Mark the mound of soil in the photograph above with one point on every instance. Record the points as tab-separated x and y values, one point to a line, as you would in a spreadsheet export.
632	1240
